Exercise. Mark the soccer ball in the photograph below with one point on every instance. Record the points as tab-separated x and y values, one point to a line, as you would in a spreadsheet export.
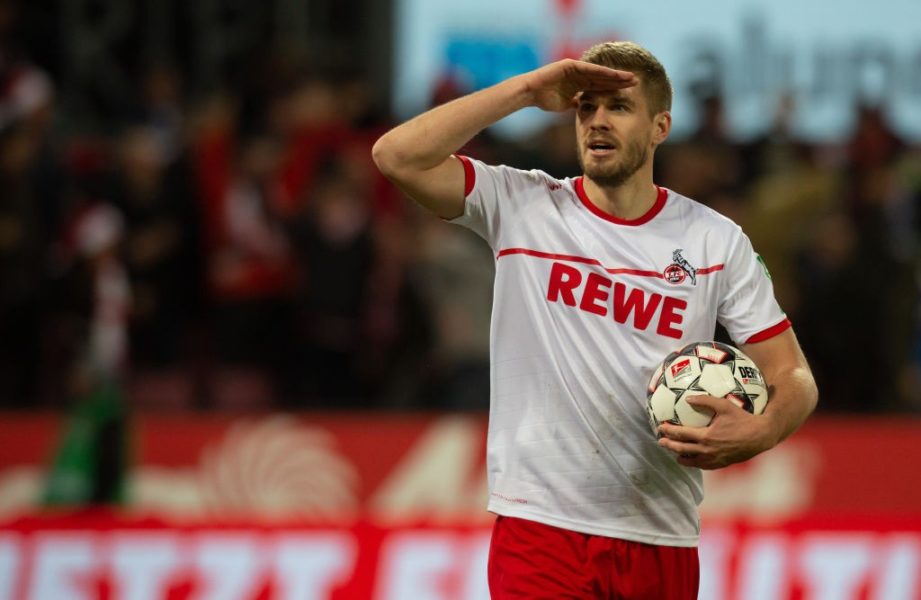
703	368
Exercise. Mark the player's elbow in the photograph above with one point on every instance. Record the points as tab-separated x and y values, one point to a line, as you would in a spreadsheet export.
812	392
806	389
386	157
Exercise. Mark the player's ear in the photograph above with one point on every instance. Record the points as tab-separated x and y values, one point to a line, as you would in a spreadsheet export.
662	126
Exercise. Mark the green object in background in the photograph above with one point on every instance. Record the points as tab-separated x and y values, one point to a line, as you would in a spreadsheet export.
89	467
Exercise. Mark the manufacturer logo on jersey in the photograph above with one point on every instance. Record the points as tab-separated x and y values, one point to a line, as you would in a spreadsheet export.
679	270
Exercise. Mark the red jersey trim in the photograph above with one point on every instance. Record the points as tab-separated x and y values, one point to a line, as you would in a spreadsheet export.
705	270
597	263
469	174
645	218
770	332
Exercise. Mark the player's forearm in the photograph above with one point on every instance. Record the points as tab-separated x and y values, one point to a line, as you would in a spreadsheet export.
793	398
426	141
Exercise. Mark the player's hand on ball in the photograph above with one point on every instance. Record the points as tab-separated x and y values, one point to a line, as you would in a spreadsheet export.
733	435
554	87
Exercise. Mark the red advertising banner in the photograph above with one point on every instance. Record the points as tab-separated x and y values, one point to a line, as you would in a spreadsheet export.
265	507
409	467
95	557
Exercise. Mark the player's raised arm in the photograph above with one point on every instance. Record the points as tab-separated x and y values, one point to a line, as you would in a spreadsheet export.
418	155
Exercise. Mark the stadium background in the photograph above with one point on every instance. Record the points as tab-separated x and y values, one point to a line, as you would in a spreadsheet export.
236	363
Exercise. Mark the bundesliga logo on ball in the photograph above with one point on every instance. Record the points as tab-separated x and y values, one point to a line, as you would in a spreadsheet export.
703	368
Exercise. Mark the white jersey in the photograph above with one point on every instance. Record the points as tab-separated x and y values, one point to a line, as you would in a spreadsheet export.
586	305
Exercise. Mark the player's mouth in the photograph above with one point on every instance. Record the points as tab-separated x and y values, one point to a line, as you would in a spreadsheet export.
600	149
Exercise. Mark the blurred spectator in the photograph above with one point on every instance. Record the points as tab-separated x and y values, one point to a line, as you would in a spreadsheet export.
25	90
90	305
873	143
336	253
854	317
874	194
89	466
160	110
250	268
98	236
359	320
161	246
781	214
455	272
30	179
707	164
776	150
310	128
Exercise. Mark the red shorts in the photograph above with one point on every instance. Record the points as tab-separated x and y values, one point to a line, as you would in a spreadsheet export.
529	560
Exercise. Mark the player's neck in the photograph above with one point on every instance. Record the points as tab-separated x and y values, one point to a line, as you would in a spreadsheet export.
629	201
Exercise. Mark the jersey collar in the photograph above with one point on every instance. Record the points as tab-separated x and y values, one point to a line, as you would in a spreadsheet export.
655	209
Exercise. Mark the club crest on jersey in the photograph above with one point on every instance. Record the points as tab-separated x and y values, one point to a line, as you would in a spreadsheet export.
679	270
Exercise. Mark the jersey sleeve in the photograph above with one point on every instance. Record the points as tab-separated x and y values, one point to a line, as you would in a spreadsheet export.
748	309
493	194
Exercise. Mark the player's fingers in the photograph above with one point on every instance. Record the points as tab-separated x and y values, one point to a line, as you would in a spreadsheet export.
597	77
705	461
605	84
714	404
681	434
680	448
600	72
699	461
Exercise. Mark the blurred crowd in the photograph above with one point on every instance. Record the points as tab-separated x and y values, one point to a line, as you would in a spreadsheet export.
236	251
240	251
838	227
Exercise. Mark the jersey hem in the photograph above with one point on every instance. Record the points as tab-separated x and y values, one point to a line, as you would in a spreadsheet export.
679	541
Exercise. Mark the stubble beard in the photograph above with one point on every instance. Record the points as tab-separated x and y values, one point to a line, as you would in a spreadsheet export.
634	157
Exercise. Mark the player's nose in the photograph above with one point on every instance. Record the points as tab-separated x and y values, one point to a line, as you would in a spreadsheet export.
599	123
600	118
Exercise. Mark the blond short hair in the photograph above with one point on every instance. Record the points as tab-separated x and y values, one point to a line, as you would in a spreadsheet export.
628	56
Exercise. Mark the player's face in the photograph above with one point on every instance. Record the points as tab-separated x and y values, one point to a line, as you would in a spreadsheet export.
615	133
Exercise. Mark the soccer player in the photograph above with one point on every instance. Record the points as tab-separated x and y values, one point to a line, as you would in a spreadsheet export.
598	277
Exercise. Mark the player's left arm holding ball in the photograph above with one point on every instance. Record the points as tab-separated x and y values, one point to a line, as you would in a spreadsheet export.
735	435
